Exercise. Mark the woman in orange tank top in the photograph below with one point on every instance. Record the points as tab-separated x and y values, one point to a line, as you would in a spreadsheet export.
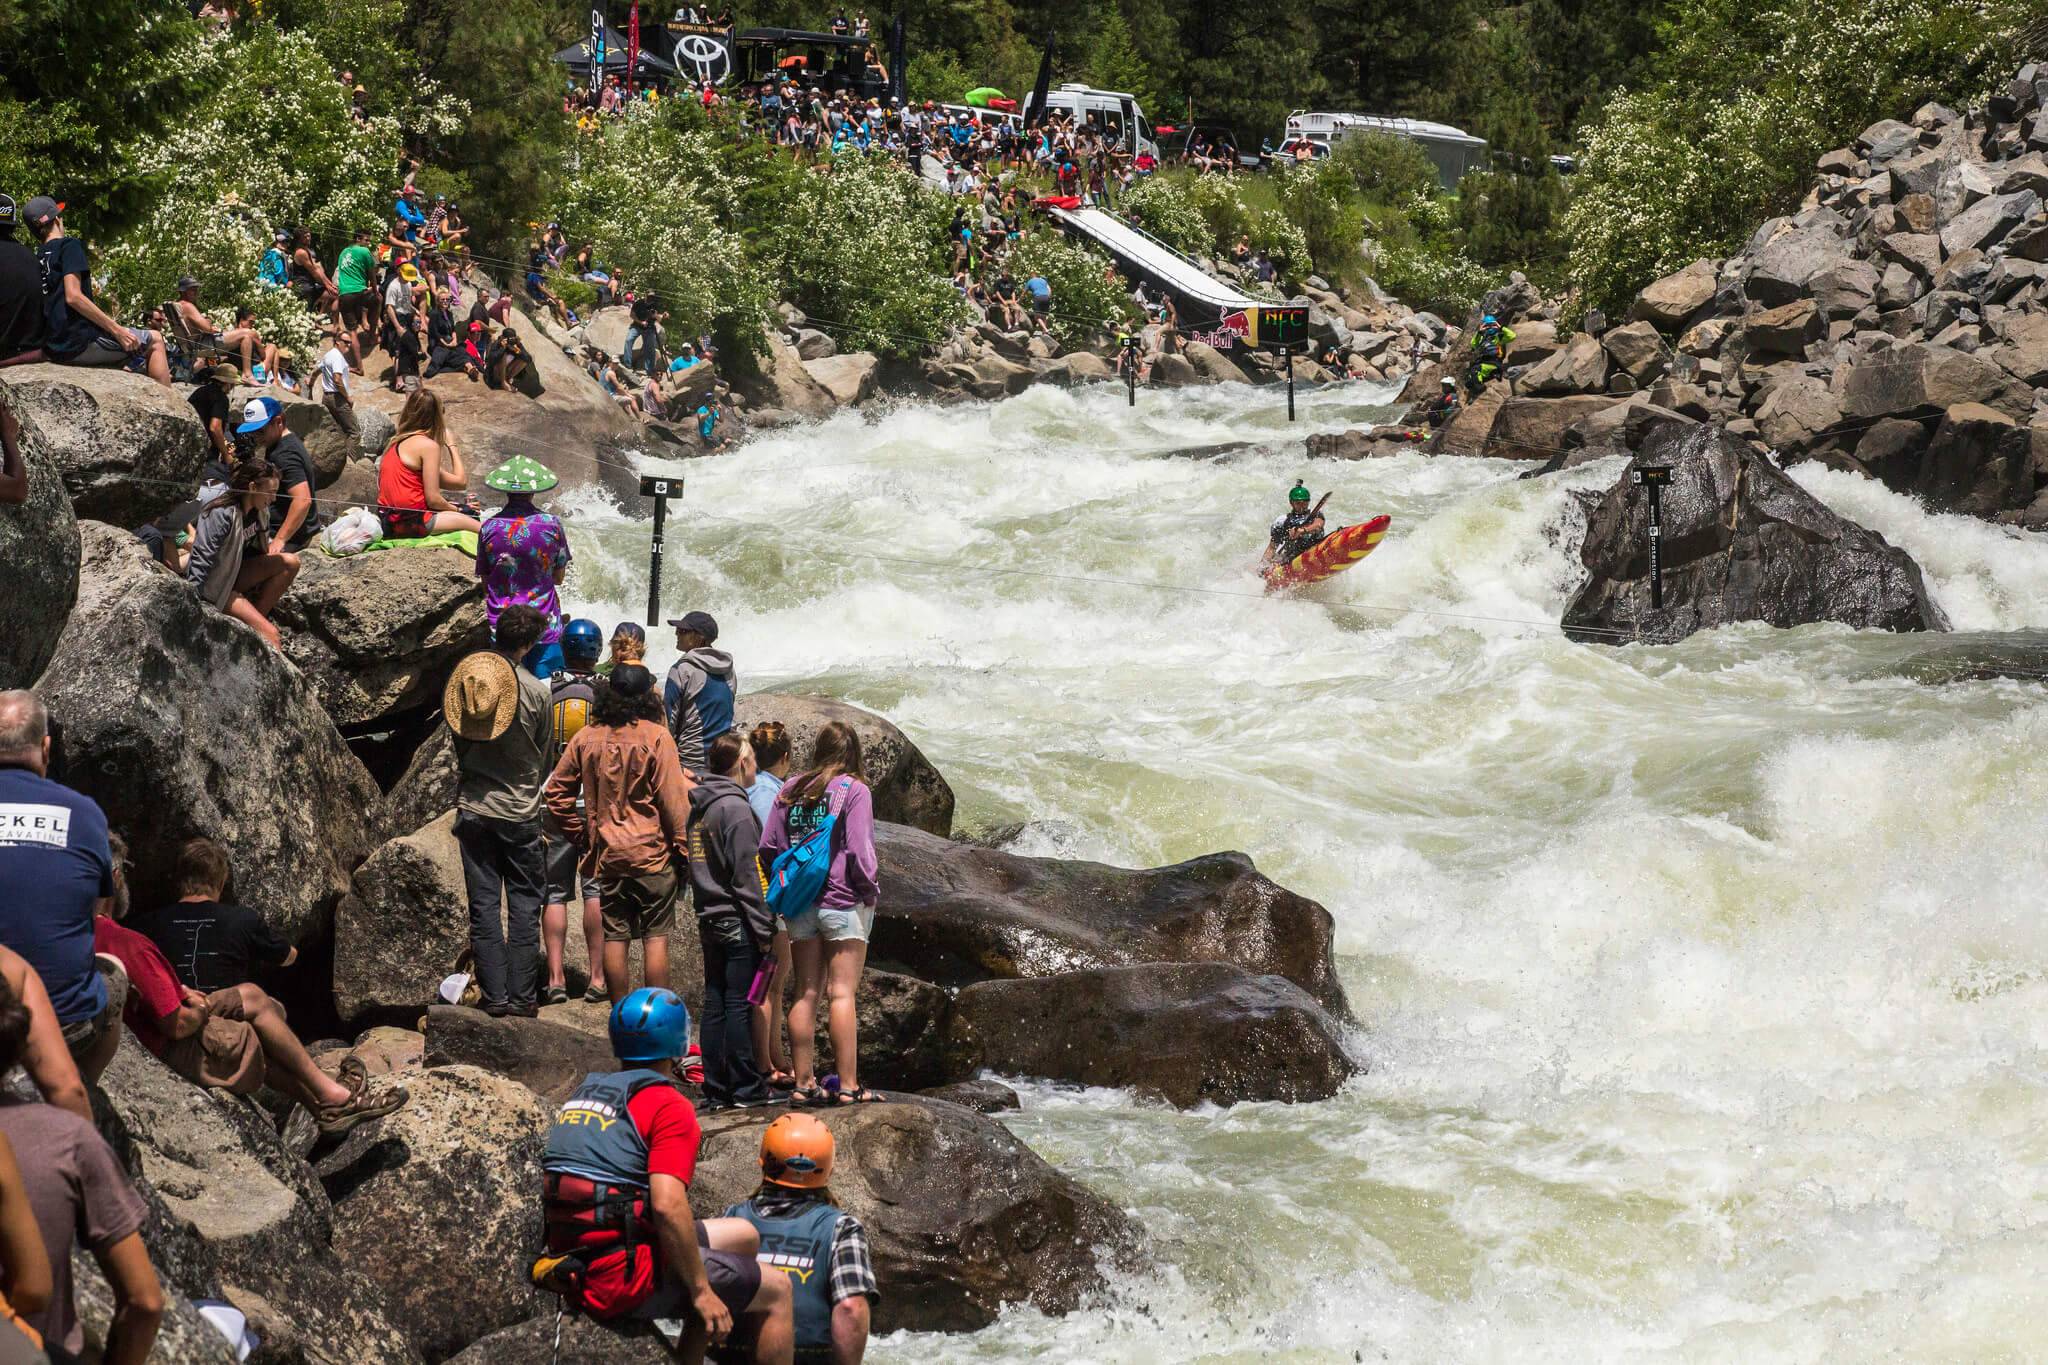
417	465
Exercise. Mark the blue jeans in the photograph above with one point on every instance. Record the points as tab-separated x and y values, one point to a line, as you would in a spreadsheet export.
502	861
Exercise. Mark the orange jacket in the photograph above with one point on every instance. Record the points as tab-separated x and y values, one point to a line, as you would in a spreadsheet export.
635	812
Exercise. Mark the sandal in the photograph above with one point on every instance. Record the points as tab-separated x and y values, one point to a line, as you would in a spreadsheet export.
335	1119
555	995
860	1096
809	1095
781	1080
353	1074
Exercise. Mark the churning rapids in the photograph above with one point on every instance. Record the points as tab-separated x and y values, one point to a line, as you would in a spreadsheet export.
1705	987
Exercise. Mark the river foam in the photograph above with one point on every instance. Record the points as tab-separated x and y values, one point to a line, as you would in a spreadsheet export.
1704	985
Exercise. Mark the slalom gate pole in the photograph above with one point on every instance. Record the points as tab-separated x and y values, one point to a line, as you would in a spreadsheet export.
661	489
1290	386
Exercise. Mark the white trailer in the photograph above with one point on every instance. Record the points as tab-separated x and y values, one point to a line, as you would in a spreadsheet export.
1453	151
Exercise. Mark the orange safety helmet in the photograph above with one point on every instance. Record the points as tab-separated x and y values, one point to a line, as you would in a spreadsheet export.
796	1153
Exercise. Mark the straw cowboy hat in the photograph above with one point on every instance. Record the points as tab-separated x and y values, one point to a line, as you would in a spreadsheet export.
482	696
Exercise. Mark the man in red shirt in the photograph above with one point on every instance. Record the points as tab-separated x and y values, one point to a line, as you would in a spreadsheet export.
621	1239
232	1039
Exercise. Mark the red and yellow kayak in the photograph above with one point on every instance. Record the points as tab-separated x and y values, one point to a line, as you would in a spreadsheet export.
1333	554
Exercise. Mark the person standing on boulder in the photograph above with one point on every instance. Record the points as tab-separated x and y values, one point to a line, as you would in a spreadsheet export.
574	689
504	732
620	793
522	556
622	1243
733	924
820	1247
770	742
700	690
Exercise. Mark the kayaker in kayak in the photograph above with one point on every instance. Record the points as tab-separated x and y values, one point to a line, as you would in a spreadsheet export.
1300	528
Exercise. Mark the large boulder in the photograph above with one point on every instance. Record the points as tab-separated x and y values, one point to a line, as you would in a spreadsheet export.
1580	366
908	789
438	1204
1466	432
1988	221
1980	461
962	1219
1173	372
425	791
1076	368
180	721
1844	291
1671	303
129	448
781	381
576	1340
1638	351
956	914
1187	1032
902	1032
848	378
39	562
222	1176
1741	542
1918	252
2022	351
377	633
1784	330
1534	428
1797	412
1211	366
605	330
1782	269
547	1058
1917	378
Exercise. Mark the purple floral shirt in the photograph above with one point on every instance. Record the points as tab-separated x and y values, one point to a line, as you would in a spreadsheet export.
516	557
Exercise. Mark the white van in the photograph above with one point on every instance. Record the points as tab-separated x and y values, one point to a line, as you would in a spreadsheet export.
1452	150
1114	112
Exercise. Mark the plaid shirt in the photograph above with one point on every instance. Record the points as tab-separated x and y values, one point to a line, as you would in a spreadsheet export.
852	1271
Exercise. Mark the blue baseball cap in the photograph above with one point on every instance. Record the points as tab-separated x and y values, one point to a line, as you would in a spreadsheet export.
257	414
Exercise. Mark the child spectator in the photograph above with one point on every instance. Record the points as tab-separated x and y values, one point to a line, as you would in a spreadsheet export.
211	945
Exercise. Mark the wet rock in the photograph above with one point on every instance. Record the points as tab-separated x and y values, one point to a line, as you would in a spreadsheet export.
1580	366
1671	303
1378	443
1210	364
547	1058
1466	432
128	448
908	790
1173	372
1534	428
849	378
1978	462
991	377
1624	426
902	1031
180	721
377	633
1078	367
39	553
962	1218
983	1097
1742	542
954	914
438	1204
1188	1033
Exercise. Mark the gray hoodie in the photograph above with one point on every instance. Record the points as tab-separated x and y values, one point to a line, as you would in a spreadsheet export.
725	866
699	694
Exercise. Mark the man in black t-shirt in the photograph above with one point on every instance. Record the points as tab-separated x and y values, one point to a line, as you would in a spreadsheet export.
294	517
214	947
21	289
209	398
78	330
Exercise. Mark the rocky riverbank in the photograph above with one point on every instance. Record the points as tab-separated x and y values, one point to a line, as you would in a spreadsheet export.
407	1241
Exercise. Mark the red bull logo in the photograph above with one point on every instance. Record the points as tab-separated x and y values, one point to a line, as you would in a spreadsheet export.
1229	330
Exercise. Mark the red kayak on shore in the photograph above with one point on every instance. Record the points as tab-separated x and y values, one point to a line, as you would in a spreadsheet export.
1333	554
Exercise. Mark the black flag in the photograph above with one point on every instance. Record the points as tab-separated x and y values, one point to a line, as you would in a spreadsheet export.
896	46
1035	111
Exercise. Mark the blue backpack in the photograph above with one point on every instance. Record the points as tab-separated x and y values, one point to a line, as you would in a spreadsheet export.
796	879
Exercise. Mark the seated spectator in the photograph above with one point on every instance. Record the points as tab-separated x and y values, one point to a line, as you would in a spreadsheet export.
44	1057
245	585
242	339
78	331
822	1249
21	289
58	869
80	1196
233	1039
506	360
295	517
308	279
446	353
418	464
212	945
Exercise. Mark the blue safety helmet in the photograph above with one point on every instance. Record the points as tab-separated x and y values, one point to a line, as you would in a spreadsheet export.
1489	320
650	1026
581	639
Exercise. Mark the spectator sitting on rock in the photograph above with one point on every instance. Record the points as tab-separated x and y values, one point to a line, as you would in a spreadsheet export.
506	361
418	464
245	585
234	1039
81	1197
212	945
620	793
734	927
21	289
209	398
700	689
295	516
44	1057
828	943
652	1258
242	340
78	331
522	556
504	732
58	869
822	1249
445	351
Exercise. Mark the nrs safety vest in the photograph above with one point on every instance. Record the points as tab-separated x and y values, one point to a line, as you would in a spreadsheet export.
595	1201
800	1245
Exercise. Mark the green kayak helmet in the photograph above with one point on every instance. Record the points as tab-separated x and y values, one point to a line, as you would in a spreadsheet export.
1298	493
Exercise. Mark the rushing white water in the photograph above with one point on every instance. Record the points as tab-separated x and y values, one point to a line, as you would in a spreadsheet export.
1703	985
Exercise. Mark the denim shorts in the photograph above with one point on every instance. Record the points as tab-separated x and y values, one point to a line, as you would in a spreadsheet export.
834	926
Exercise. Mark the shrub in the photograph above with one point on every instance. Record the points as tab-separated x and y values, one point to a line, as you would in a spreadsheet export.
1165	208
1386	167
1320	200
1087	295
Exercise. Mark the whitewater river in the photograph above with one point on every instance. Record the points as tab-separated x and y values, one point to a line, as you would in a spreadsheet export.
1702	986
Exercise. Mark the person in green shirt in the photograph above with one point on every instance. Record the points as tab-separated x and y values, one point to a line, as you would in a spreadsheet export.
353	275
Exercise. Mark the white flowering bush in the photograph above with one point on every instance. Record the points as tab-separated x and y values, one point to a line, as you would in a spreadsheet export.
1166	209
1088	296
